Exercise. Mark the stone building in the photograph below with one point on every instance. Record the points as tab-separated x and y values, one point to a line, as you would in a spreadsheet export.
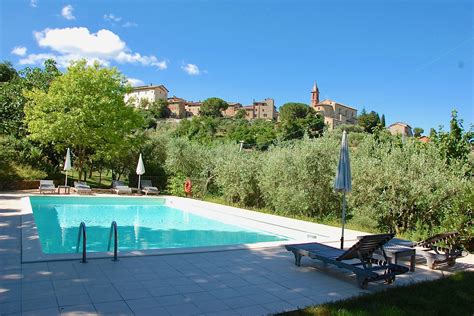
177	107
400	128
233	108
149	93
334	113
264	110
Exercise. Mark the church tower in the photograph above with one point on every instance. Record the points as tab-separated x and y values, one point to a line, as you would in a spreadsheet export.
314	95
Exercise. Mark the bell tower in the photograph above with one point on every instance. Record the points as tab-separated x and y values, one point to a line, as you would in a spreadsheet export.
314	95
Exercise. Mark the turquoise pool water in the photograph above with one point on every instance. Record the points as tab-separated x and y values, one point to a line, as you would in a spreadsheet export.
142	224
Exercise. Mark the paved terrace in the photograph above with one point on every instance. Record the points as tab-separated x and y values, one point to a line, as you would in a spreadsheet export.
239	282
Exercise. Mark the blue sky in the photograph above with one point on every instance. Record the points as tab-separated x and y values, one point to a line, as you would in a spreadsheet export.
411	60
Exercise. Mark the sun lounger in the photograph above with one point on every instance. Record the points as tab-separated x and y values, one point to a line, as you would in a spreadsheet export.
440	249
358	259
119	187
47	186
148	187
82	188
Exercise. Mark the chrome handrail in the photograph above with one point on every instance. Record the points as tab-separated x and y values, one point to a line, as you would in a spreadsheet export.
113	227
82	228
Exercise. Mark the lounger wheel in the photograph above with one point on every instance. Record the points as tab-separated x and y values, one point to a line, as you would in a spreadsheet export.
390	280
363	283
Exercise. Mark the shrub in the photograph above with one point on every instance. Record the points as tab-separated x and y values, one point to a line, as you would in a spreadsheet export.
298	178
236	176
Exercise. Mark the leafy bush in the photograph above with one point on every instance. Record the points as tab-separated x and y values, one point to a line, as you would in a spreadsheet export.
236	176
298	178
401	186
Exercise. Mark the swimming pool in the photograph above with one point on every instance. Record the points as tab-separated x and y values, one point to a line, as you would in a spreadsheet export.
143	223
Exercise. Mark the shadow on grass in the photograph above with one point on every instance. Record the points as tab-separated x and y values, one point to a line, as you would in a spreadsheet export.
453	295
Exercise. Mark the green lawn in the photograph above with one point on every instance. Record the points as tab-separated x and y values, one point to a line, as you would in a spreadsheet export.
106	179
453	295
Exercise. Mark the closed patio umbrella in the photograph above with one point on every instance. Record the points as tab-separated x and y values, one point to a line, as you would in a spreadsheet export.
140	170
67	164
342	183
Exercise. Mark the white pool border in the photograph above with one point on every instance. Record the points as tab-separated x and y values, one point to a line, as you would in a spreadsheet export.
296	231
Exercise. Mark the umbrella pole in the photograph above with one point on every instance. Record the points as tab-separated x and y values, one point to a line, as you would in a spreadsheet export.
65	180
139	180
343	218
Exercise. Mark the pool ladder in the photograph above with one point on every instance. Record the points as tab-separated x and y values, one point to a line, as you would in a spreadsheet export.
82	232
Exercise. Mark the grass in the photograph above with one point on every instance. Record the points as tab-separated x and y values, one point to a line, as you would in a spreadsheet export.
453	295
106	181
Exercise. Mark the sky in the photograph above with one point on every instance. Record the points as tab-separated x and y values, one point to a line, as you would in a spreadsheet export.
411	60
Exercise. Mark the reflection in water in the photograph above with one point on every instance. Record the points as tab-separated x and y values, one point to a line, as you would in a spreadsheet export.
140	227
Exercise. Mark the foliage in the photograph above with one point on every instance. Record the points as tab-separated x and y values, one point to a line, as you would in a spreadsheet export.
213	107
153	111
176	185
240	114
293	111
369	121
455	144
382	121
299	119
418	131
399	185
12	100
298	178
236	176
257	133
83	109
7	72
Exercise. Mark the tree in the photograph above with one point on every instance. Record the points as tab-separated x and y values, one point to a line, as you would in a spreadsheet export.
241	114
213	107
298	119
369	121
83	109
153	111
12	100
418	131
382	120
7	72
292	111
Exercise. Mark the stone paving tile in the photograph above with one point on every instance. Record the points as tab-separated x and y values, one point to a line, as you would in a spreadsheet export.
152	311
276	307
142	303
252	311
39	303
10	307
183	309
69	300
103	293
86	309
225	293
42	312
241	301
171	300
188	288
162	291
116	308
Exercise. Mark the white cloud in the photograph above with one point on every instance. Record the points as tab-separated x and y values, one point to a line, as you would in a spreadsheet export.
129	24
19	51
135	82
66	12
75	43
191	69
111	17
34	3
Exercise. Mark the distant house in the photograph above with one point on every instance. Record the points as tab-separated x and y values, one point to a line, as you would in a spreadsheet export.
264	110
424	139
149	93
334	113
400	128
